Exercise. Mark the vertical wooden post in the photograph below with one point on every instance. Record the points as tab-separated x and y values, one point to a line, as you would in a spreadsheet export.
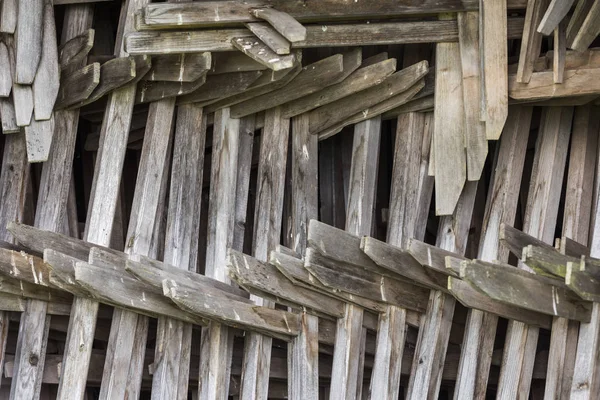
217	339
50	215
501	208
14	174
540	221
348	357
303	350
267	231
173	344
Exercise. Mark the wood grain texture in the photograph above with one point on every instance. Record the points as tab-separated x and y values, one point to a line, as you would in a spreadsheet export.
5	71
219	86
590	28
8	16
495	56
270	37
46	83
78	86
532	39
579	14
449	126
152	91
556	12
282	22
28	40
38	136
475	137
560	49
541	86
261	53
179	67
76	49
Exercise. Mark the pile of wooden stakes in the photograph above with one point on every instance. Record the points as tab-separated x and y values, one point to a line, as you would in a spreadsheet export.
331	200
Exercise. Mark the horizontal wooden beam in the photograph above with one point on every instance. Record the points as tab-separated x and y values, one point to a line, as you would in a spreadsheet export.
168	42
220	13
577	82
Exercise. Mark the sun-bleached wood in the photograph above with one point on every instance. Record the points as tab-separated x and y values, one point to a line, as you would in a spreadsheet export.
179	67
495	59
501	207
448	129
576	82
557	10
8	16
260	52
475	138
38	136
532	39
270	37
5	72
78	86
46	82
28	40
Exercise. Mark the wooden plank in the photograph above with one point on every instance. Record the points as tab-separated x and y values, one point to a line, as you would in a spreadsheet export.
529	290
221	85
28	40
475	138
159	42
46	83
38	137
575	83
269	36
590	28
267	232
501	207
311	79
113	74
179	67
375	111
78	86
260	52
247	128
282	22
8	118
581	11
8	16
449	126
532	39
560	49
202	15
5	74
556	12
545	261
76	49
540	221
356	81
495	54
303	356
171	371
233	61
328	115
152	91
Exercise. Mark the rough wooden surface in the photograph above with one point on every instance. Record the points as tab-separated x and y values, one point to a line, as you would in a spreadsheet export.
179	67
46	82
28	40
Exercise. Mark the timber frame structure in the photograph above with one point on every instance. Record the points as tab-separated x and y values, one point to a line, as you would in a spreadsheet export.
299	199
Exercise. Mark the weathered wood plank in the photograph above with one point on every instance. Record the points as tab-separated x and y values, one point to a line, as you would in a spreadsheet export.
546	261
28	40
560	49
233	61
282	22
312	78
46	83
579	14
303	360
221	85
76	49
5	72
590	28
328	115
8	118
78	86
475	137
8	16
260	52
269	36
449	127
113	74
152	91
556	12
541	86
375	111
202	15
529	291
495	59
532	39
38	137
179	67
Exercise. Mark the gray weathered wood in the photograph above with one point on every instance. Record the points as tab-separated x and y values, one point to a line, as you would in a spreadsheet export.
244	165
541	86
28	40
38	137
8	16
221	85
113	74
560	49
260	52
312	78
76	49
46	82
328	115
233	61
78	86
359	80
449	126
590	28
555	13
5	72
270	37
303	360
152	91
532	39
179	67
283	23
